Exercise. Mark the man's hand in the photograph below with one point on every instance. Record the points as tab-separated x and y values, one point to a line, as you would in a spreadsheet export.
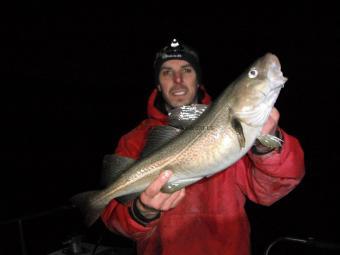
271	125
152	200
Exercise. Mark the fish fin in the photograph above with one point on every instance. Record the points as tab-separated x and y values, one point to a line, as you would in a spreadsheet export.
236	124
182	117
172	187
113	166
127	198
157	137
270	141
90	210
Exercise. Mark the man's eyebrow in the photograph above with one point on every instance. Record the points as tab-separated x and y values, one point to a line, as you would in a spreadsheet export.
187	65
183	66
165	67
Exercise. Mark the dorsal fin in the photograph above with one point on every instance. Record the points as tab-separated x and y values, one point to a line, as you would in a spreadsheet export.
157	137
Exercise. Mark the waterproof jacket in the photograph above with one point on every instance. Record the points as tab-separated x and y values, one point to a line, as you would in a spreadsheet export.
211	218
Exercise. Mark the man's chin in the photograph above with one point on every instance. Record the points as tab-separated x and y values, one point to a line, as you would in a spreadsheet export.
179	103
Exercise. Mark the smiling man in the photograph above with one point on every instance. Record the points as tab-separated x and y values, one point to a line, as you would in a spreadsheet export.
178	83
207	217
178	75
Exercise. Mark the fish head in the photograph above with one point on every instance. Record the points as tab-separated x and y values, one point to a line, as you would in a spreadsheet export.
255	92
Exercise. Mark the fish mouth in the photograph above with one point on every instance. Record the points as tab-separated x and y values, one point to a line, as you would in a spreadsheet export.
275	80
274	73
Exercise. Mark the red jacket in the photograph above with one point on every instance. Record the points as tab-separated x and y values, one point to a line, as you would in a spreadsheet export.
211	219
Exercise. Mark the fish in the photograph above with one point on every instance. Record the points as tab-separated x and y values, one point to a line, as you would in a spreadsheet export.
221	135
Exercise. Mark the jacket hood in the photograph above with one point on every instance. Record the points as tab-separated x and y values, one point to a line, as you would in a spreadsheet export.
155	113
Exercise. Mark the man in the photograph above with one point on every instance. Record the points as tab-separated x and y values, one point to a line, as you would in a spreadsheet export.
207	217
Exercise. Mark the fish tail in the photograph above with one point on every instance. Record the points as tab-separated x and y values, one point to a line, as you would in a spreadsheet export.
88	206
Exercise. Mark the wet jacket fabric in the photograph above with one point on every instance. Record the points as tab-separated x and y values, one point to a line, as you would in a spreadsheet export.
211	218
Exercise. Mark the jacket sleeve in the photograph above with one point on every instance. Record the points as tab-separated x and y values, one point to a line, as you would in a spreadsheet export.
117	219
264	179
116	215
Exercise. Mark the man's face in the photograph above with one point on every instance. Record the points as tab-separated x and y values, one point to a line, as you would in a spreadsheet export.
178	82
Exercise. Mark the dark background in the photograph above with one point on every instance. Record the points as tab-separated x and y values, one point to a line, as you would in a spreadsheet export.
75	77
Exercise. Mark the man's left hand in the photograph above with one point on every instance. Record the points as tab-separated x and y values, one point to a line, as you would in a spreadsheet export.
271	125
270	128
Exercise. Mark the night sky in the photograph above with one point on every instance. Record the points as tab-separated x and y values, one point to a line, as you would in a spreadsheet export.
76	78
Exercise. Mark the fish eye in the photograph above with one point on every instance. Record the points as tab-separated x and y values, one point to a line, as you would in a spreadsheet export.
252	73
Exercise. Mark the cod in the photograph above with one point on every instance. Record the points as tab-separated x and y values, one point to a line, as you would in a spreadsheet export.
216	138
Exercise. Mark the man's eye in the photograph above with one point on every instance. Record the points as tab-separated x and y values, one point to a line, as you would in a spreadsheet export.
166	72
187	70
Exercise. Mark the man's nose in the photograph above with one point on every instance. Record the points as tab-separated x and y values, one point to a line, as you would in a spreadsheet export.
178	77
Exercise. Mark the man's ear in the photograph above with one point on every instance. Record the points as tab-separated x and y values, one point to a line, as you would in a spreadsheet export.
159	88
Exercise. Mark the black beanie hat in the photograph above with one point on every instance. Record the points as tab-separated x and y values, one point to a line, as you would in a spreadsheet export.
175	50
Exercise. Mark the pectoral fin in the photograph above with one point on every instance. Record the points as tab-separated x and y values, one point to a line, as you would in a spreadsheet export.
171	187
236	124
270	141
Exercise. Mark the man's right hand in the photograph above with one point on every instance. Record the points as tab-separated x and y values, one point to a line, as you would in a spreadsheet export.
152	200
